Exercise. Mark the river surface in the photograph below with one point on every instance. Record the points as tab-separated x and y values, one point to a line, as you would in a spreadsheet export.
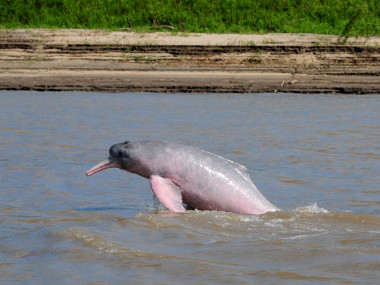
317	157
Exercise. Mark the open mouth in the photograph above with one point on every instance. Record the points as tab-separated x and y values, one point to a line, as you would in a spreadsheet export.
105	164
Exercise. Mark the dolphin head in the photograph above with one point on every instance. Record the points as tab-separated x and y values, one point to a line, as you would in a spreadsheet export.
119	157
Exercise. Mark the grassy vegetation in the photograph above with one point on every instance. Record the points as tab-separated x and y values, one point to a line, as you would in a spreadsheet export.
342	17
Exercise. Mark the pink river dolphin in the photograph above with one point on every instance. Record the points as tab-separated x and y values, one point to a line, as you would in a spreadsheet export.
183	174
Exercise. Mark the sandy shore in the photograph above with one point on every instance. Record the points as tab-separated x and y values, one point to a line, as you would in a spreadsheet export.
94	60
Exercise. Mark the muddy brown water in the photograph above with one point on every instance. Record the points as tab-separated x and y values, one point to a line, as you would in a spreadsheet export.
317	157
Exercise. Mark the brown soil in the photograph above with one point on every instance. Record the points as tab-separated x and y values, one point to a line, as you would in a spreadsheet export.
93	60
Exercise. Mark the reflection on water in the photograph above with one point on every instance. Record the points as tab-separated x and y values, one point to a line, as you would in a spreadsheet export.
317	157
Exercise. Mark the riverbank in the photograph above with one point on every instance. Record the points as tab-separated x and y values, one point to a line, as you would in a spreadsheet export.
97	60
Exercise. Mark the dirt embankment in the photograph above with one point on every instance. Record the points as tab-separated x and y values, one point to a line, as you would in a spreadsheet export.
91	60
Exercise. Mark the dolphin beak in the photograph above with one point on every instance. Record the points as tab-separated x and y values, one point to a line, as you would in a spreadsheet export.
103	165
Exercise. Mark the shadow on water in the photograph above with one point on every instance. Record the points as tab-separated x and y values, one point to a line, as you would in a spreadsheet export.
96	209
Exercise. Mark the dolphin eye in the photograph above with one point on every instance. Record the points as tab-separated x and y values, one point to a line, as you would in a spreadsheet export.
120	153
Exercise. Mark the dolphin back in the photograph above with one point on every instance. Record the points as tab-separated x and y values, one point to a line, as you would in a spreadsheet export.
206	180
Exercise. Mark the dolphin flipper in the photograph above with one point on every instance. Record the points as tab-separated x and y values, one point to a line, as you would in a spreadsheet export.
167	193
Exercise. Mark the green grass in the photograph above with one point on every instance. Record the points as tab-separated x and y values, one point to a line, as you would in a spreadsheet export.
342	17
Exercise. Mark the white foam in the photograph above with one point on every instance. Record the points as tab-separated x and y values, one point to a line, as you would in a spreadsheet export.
312	208
303	236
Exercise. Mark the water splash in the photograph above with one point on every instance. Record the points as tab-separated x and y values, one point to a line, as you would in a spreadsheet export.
312	208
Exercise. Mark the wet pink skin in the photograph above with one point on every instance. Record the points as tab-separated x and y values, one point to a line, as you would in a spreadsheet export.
180	173
105	164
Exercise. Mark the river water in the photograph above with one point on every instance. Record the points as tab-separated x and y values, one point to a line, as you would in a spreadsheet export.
317	157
